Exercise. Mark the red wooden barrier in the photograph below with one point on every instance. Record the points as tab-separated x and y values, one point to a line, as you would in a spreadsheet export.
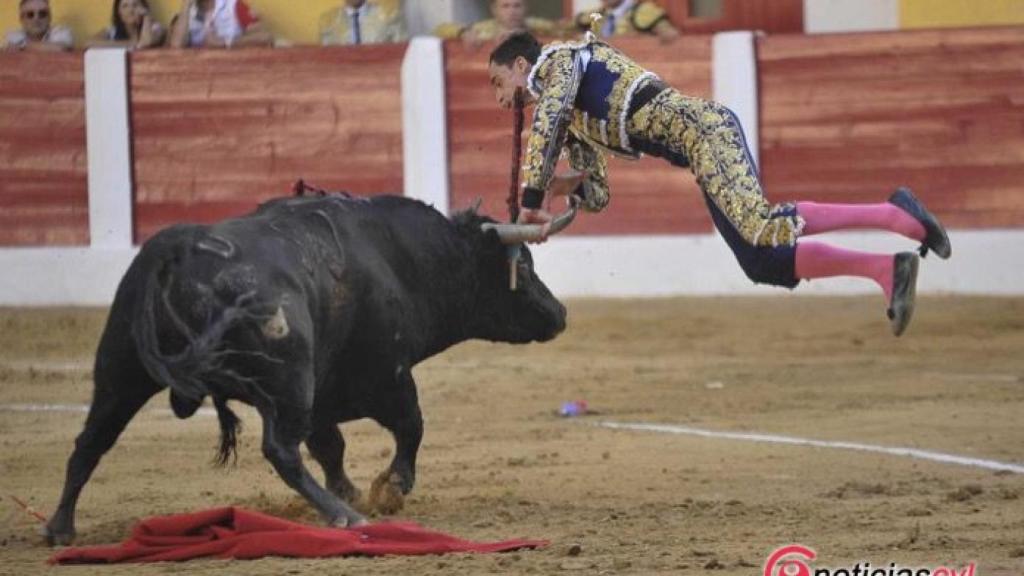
43	178
848	117
648	197
844	118
216	132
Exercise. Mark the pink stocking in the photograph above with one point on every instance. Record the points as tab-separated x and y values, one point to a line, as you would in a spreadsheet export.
820	218
818	260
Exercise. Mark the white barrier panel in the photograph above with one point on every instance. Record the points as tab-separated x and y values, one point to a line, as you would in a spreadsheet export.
734	82
846	16
424	123
108	143
983	263
61	276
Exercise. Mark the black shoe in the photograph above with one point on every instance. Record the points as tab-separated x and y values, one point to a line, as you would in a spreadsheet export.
904	289
935	234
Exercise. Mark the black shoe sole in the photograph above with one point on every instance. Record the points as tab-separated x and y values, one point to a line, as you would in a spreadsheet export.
904	291
936	238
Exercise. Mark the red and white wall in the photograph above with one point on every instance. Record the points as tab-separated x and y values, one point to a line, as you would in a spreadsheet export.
98	153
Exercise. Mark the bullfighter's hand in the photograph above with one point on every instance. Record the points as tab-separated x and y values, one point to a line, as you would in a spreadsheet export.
536	216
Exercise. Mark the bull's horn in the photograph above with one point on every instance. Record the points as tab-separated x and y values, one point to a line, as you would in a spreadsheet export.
519	233
475	206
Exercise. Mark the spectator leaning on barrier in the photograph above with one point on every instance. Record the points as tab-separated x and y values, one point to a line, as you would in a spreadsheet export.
36	32
508	17
361	22
217	24
131	25
625	17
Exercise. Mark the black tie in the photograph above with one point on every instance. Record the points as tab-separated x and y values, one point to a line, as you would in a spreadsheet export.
357	34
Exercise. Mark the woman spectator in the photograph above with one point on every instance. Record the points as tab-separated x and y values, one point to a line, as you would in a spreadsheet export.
131	25
217	24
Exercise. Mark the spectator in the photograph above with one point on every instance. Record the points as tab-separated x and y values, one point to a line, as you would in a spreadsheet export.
630	17
132	25
36	32
508	17
217	24
361	22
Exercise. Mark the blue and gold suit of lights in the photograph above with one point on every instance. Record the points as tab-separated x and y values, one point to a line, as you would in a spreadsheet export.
592	100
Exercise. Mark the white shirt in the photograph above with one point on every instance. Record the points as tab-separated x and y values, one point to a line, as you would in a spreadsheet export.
55	35
222	19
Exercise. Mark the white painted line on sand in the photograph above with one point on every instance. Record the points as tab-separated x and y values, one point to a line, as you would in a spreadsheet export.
775	439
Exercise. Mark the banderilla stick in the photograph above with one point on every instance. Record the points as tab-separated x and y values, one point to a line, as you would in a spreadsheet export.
28	509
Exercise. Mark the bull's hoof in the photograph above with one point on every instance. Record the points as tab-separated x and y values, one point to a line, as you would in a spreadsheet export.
350	520
56	537
386	493
348	493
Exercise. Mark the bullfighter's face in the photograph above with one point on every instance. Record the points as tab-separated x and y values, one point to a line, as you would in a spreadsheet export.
506	79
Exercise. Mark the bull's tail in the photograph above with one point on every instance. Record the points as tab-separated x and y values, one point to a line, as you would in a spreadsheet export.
190	372
230	426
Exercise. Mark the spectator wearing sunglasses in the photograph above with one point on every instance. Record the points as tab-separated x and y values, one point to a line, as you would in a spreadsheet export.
132	26
36	32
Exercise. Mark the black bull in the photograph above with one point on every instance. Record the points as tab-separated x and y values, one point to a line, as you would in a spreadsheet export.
313	311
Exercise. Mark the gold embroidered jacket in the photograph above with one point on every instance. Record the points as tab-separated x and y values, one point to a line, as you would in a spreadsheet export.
591	99
583	93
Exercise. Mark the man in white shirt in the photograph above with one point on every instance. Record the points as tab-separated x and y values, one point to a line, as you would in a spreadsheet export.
36	32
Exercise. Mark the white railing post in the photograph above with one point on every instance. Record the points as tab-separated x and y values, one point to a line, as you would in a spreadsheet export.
424	123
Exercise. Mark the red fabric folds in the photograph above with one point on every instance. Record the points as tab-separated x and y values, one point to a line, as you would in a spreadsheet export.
243	534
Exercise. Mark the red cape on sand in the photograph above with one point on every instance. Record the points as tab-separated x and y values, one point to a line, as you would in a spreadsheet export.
243	534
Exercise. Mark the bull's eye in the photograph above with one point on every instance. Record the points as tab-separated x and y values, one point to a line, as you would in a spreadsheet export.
524	269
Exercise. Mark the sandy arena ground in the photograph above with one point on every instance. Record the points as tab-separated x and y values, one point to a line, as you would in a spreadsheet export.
497	462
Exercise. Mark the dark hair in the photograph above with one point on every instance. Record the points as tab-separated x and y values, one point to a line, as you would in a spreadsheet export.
120	30
518	44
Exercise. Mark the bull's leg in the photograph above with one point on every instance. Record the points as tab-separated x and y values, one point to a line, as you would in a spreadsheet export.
403	418
110	412
407	429
327	446
282	434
